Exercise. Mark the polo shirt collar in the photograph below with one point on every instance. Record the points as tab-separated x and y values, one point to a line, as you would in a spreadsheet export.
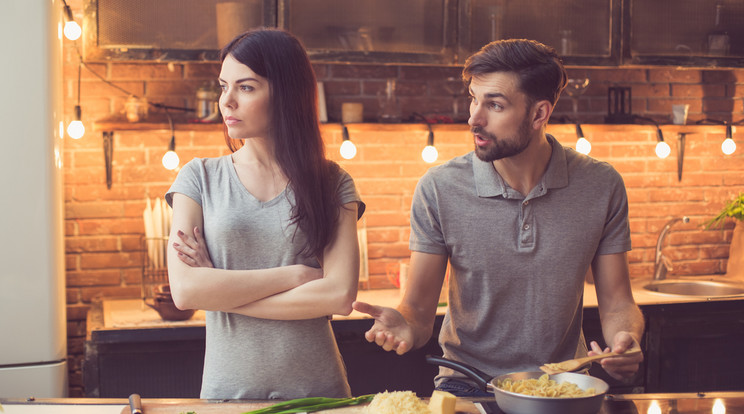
488	182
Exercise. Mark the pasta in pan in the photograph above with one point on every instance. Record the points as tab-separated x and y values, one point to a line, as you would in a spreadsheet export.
544	387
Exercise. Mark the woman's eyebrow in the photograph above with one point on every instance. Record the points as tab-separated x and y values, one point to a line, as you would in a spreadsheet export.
240	80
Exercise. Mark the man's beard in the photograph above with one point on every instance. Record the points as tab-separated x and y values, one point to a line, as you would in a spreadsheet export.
503	148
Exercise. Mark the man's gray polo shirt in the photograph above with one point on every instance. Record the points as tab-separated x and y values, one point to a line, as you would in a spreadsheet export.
518	263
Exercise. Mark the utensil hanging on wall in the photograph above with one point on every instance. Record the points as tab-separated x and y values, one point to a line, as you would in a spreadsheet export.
619	105
157	223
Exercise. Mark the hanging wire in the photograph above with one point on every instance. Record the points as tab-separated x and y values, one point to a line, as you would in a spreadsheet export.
113	85
80	71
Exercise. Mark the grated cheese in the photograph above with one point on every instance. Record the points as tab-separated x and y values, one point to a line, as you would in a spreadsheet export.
397	402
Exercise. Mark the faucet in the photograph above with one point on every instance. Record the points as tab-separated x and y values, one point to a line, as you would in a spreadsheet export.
662	264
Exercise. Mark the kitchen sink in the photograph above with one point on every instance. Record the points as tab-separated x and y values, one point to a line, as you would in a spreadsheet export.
686	287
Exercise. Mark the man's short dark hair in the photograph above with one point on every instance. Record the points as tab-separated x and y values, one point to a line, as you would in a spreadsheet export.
540	70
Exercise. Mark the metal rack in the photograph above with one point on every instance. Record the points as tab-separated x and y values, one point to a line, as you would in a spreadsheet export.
154	265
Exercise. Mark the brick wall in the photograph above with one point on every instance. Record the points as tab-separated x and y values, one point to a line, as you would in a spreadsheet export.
103	226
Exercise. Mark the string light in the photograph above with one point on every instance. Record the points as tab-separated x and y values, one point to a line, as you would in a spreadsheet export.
76	129
72	30
662	148
429	154
170	158
348	149
582	144
718	407
728	146
654	408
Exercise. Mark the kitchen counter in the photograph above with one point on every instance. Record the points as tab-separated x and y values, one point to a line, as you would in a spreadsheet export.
129	348
133	314
724	402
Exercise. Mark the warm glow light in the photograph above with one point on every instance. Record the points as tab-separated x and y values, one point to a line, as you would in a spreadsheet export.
348	149
76	129
663	150
429	154
654	408
61	129
72	30
583	146
170	160
728	146
718	407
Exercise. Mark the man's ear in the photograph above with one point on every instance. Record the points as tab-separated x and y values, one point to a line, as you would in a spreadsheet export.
541	113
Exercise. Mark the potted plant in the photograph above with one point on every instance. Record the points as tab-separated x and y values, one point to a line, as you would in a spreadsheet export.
735	210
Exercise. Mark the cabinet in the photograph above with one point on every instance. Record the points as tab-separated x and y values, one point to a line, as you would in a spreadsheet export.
371	369
583	32
699	33
688	347
155	363
412	31
695	347
168	30
687	33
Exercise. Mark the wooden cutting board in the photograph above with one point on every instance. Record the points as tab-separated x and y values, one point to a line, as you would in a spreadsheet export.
206	407
219	408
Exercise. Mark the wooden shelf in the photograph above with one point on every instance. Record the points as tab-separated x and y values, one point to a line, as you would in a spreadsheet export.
154	122
182	122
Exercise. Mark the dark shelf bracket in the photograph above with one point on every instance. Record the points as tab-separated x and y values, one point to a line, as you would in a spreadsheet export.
108	154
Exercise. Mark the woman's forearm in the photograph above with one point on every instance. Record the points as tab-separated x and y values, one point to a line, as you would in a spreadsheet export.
322	297
219	289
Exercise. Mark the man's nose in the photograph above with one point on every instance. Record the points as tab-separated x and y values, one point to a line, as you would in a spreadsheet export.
476	116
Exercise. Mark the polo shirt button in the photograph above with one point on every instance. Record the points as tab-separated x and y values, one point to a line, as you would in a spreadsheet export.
525	203
526	227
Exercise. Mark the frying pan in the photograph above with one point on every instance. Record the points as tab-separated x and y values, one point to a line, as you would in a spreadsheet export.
514	403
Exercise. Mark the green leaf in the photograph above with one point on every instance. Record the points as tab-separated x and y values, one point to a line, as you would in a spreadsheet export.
733	209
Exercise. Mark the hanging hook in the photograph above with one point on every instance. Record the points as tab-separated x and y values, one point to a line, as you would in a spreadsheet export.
108	154
680	153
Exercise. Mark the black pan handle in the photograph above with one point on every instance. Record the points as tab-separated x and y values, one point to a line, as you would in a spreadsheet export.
481	378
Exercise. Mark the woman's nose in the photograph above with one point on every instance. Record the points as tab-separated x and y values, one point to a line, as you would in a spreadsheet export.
226	100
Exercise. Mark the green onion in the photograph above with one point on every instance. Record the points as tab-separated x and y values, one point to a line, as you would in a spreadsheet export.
311	405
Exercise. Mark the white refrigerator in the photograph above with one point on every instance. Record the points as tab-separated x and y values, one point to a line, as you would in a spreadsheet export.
33	333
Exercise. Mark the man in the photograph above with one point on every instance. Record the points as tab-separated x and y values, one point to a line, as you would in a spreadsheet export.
521	220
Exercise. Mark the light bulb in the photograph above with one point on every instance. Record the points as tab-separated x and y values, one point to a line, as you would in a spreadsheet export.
72	30
663	150
170	160
348	149
718	406
76	129
654	408
429	154
728	146
583	146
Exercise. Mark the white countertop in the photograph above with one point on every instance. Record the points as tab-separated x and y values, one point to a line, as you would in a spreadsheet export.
133	313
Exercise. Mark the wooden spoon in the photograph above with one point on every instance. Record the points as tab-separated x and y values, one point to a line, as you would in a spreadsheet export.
576	364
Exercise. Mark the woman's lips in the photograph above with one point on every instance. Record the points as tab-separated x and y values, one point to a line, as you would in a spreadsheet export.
231	121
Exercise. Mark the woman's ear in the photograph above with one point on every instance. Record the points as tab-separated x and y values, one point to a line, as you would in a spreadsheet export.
541	114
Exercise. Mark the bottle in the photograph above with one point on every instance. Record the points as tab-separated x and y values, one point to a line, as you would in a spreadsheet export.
207	105
389	106
718	39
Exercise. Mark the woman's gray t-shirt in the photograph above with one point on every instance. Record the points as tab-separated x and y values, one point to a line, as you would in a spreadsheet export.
253	358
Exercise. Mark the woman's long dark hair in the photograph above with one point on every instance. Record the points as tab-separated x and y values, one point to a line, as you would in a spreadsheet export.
280	57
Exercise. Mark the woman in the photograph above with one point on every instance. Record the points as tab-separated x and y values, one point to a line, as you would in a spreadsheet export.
279	225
